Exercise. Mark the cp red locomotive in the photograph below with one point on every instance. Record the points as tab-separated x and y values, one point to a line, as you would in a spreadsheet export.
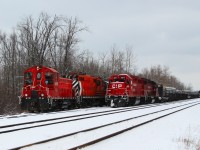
124	89
44	90
89	90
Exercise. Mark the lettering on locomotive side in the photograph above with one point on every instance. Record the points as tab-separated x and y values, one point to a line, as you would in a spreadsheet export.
114	86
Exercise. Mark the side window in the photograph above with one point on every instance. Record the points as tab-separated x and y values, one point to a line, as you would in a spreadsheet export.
98	83
57	75
127	82
48	78
28	78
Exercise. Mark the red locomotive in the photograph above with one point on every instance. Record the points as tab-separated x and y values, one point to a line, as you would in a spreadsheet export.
89	90
44	89
124	89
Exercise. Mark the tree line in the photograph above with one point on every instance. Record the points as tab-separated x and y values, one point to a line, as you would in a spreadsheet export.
54	41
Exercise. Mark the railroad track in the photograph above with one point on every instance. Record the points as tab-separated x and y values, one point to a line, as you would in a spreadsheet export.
127	129
46	122
154	115
59	112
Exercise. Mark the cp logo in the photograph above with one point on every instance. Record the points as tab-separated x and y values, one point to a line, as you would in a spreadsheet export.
114	86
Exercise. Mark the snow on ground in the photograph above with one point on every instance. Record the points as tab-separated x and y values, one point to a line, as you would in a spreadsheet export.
36	134
164	134
78	139
6	120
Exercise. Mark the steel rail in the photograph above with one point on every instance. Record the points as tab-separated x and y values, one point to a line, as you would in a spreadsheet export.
87	117
137	107
127	129
114	134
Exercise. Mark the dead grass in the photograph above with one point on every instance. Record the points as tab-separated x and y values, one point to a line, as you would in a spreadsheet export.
190	144
189	141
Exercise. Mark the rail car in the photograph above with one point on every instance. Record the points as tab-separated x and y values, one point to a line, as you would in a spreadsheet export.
172	94
44	89
89	90
125	89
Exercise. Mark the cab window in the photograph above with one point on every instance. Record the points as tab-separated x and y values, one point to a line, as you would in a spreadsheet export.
28	78
98	83
115	79
39	76
48	78
122	79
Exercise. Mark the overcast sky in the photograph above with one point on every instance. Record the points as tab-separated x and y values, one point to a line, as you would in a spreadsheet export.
161	32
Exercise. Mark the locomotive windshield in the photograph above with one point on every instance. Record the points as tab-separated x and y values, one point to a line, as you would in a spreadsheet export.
48	78
28	78
39	76
122	79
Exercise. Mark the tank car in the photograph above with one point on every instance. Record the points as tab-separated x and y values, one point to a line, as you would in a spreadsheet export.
125	89
44	89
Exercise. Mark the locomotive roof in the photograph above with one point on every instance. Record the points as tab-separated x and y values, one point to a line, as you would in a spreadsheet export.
134	77
51	69
83	74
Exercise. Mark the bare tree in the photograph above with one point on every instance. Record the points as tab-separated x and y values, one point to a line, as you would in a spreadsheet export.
46	40
130	59
70	40
10	59
162	75
36	37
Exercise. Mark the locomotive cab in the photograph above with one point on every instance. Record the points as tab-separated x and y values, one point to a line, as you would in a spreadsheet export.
39	84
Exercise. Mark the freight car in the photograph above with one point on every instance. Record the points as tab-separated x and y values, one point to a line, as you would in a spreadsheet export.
44	89
172	94
125	89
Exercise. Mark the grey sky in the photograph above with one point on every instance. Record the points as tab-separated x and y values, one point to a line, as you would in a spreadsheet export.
161	32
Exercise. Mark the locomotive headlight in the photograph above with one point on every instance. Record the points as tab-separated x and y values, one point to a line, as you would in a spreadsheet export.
42	94
26	95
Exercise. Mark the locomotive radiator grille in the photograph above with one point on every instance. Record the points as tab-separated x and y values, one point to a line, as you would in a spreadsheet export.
34	94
